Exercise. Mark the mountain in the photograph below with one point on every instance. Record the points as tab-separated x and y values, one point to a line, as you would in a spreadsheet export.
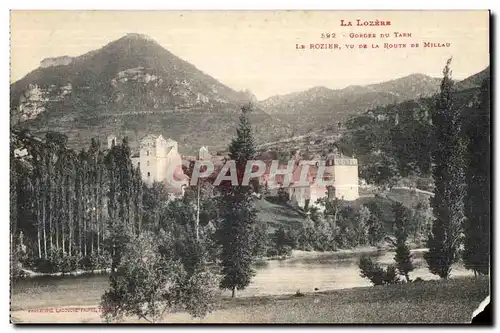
132	87
309	110
363	130
473	81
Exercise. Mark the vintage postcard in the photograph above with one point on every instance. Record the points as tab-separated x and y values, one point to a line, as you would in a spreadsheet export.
249	166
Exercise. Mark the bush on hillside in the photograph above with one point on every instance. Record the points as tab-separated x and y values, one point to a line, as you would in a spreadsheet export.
376	274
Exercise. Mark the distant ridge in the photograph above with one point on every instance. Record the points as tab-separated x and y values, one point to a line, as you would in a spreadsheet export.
129	87
321	108
133	86
315	107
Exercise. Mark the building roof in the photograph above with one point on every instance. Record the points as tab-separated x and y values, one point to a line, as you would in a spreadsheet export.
154	137
149	137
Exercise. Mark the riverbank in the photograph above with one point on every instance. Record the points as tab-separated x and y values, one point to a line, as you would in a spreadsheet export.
29	273
354	251
438	301
295	254
304	271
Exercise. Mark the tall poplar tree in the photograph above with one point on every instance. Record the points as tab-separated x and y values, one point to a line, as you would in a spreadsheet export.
403	256
71	198
238	213
448	174
477	203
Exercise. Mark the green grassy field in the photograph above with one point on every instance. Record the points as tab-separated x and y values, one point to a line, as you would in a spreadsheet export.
439	301
451	301
275	215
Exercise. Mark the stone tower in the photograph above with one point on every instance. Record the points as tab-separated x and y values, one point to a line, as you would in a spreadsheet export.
156	156
151	150
330	173
343	171
203	153
112	141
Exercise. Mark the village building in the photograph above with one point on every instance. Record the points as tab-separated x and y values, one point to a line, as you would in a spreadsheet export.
159	161
339	170
204	154
157	157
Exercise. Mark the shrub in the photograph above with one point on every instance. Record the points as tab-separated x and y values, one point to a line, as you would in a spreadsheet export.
15	265
391	275
67	263
298	293
371	270
44	265
199	292
150	281
76	261
53	264
283	196
29	262
272	252
57	259
286	251
86	263
104	261
376	274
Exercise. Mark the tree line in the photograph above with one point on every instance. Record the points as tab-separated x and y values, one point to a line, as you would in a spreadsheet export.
91	210
65	202
395	142
454	149
461	173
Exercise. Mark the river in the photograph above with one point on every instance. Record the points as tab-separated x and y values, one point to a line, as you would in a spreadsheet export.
304	271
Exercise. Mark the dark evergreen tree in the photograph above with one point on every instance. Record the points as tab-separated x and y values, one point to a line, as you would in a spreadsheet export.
280	239
477	204
375	229
448	174
261	238
238	214
403	256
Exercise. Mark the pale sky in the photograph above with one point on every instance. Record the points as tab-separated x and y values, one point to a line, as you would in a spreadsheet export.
256	50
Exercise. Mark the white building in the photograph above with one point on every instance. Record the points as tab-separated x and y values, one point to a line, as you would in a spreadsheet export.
204	154
342	171
159	157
